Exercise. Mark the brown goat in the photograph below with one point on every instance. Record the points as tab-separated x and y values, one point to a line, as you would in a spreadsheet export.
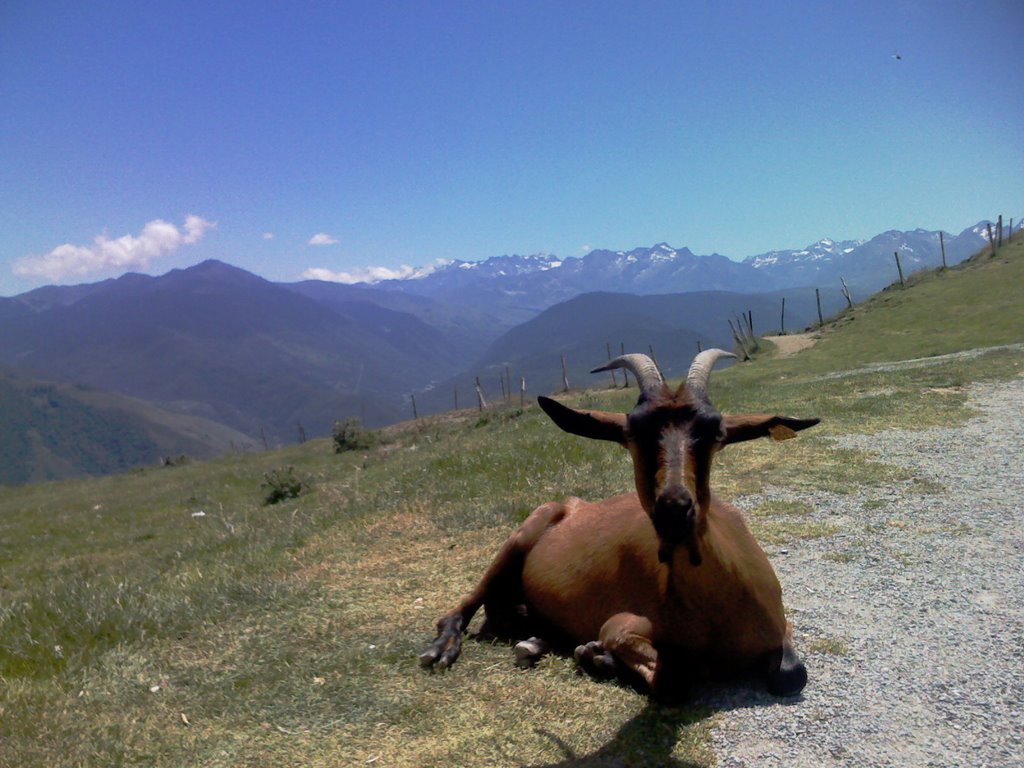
661	585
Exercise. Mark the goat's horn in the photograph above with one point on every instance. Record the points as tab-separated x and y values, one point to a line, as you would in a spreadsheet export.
647	374
700	371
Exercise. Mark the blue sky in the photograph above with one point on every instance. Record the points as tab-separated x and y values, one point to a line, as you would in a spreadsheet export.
285	137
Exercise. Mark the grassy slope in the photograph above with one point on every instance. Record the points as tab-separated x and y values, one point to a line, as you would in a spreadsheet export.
136	631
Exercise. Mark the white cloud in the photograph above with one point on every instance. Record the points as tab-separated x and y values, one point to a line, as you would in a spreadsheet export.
268	235
369	274
158	238
195	228
322	238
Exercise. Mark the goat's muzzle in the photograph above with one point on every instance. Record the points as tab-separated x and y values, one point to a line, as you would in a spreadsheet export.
675	521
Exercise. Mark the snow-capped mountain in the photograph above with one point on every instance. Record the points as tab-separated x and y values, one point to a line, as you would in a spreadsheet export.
824	249
512	289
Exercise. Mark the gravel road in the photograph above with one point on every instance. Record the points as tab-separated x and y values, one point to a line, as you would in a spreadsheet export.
910	619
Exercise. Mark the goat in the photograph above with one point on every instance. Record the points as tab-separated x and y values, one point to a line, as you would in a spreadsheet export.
659	586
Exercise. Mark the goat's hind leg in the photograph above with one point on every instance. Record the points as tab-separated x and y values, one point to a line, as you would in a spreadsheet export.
500	590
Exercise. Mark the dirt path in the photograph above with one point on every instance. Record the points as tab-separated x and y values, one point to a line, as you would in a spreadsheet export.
788	346
910	617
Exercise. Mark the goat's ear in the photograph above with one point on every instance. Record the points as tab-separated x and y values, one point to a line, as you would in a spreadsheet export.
598	425
749	426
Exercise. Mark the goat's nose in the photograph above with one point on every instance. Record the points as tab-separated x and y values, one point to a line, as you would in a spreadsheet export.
674	515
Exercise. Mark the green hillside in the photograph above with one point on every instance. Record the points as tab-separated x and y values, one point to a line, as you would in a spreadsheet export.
57	431
169	617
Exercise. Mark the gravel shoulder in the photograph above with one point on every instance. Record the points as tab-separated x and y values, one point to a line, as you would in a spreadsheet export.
910	619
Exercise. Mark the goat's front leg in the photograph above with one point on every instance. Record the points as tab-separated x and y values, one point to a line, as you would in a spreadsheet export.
624	643
500	590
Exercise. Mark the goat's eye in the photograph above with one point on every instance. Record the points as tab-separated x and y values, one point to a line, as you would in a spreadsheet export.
708	429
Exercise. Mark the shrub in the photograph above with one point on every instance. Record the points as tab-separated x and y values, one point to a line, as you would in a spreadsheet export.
350	435
281	484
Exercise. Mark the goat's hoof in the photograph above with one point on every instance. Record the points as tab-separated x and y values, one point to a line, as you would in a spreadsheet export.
787	675
789	681
529	652
594	659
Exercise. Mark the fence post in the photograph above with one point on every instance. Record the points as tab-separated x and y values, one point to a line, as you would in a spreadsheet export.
991	240
654	357
817	298
625	375
415	413
522	391
999	230
749	317
739	340
481	402
782	320
942	245
899	268
846	293
615	381
565	375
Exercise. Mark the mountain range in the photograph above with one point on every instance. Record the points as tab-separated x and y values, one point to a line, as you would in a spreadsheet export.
513	289
209	358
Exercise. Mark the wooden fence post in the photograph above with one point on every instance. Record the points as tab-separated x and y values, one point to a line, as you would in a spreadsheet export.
749	317
942	245
615	381
565	375
817	298
899	268
999	230
481	401
782	320
415	413
739	340
625	375
991	239
522	391
654	357
846	293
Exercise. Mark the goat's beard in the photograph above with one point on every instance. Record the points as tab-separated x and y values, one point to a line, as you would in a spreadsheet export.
665	550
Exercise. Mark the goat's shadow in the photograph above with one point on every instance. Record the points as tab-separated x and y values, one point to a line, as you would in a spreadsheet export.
650	737
647	739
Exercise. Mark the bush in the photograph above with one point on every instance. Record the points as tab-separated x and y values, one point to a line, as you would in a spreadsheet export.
350	435
281	484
